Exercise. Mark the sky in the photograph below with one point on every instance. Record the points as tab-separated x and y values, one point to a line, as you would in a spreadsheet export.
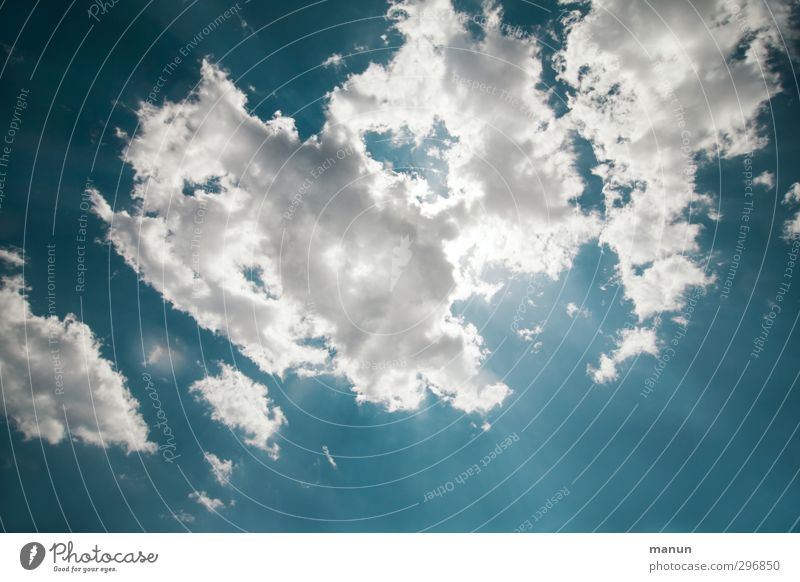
405	266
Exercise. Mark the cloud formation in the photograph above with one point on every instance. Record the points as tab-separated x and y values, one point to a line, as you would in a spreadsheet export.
791	228
319	256
221	468
659	86
241	405
631	343
56	383
211	504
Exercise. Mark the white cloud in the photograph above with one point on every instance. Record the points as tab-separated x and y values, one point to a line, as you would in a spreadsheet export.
631	343
574	311
281	241
766	179
11	258
793	194
335	60
242	404
529	334
791	228
182	516
328	456
681	320
364	307
656	85
662	286
221	468
212	504
52	368
155	355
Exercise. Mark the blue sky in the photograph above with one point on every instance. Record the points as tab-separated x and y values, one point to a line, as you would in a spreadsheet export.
372	267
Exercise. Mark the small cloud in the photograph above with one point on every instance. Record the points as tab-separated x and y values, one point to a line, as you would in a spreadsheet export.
631	342
793	195
184	516
242	404
221	468
328	456
162	356
531	333
155	355
791	228
335	60
766	179
210	503
69	359
11	257
574	311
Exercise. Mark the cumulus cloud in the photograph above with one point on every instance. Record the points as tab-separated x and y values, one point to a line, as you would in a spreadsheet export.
657	87
212	504
531	333
221	468
11	258
316	256
574	311
155	355
793	194
182	516
791	228
766	179
632	342
650	102
318	222
56	383
335	60
242	405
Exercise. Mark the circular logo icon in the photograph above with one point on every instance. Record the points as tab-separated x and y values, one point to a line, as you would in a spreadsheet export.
31	555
